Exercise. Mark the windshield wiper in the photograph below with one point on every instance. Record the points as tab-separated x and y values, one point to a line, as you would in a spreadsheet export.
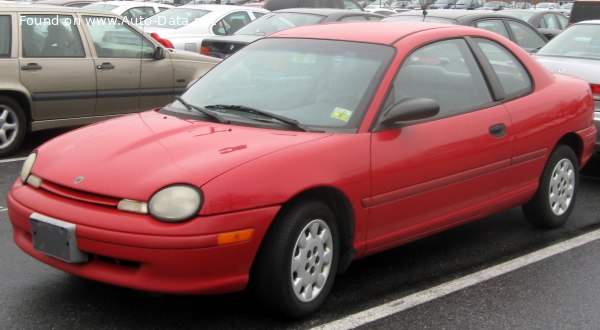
243	108
209	114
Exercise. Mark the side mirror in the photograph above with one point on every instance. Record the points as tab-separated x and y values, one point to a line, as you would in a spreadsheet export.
159	53
410	109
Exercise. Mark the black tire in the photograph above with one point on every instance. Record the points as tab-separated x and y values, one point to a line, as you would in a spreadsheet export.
273	277
12	125
554	200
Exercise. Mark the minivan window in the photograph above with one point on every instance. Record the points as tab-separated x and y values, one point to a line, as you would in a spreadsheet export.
584	10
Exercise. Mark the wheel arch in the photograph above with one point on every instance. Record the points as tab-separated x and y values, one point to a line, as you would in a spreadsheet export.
23	101
573	141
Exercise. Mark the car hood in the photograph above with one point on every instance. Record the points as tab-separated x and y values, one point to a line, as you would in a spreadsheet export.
134	156
184	55
585	69
236	38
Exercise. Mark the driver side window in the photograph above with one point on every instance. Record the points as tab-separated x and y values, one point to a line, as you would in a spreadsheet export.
114	39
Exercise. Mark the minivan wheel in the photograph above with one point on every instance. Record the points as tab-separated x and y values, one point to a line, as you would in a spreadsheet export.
297	263
554	200
12	125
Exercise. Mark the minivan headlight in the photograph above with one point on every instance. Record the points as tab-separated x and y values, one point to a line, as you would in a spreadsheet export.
175	203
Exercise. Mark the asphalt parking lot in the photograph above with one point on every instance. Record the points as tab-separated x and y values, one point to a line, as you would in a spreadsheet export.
557	292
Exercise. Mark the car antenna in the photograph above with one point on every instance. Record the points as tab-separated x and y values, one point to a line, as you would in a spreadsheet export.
424	9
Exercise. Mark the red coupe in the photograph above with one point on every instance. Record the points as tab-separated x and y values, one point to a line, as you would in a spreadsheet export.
306	150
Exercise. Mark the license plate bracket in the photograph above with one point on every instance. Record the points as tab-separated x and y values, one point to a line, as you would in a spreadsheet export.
55	238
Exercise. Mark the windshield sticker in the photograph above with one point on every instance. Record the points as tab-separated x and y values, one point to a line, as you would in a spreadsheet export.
341	114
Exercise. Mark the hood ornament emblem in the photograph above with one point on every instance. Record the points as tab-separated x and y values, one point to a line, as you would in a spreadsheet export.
78	180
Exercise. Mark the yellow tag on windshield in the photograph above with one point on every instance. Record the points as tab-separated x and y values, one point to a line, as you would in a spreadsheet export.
341	114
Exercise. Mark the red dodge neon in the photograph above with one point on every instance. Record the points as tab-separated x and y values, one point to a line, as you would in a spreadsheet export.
304	151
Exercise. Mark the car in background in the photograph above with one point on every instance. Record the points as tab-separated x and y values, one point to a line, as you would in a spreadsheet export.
468	4
442	4
64	66
134	11
520	5
576	52
223	47
308	149
584	10
545	6
66	3
493	6
512	28
274	5
549	22
186	26
381	11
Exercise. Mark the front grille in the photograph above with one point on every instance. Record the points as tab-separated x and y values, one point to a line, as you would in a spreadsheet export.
78	195
114	261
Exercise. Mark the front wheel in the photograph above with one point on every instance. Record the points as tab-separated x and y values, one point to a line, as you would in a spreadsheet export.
297	263
554	200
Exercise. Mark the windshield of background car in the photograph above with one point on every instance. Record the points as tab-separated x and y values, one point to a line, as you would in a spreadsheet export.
325	85
420	18
275	22
174	18
579	41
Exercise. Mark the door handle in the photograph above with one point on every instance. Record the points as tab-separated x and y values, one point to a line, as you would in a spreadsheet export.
498	130
105	66
31	67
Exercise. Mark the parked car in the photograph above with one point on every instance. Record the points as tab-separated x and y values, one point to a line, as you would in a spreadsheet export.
223	47
65	66
66	3
274	5
442	4
576	52
584	10
381	11
308	149
493	5
546	6
468	4
185	27
512	28
134	11
520	5
549	22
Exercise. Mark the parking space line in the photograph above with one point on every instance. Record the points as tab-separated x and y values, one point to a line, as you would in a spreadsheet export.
402	304
3	209
10	160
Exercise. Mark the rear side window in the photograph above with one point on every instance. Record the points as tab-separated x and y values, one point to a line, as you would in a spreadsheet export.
584	10
5	33
526	36
513	77
50	36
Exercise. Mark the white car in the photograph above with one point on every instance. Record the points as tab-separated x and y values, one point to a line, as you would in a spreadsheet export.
186	26
546	6
133	11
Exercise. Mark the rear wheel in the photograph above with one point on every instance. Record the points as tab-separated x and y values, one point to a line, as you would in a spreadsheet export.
554	200
12	125
297	264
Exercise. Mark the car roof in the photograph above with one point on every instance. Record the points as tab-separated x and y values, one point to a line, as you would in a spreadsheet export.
212	7
381	32
320	11
456	14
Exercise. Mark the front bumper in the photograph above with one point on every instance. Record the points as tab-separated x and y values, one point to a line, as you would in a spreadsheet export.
159	257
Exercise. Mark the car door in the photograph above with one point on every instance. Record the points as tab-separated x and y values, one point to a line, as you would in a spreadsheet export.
129	78
440	171
55	67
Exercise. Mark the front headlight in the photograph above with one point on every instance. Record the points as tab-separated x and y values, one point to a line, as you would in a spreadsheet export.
175	203
27	166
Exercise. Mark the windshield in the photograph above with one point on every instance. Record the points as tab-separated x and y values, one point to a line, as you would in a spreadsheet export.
275	22
580	41
324	85
174	18
101	7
